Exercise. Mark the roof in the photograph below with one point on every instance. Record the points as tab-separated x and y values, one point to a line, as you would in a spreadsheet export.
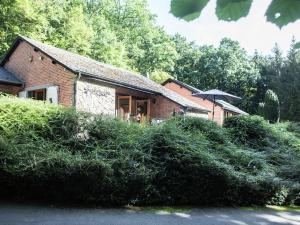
104	72
223	104
9	78
230	107
215	93
189	87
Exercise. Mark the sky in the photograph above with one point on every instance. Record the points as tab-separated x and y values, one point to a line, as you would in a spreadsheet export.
253	32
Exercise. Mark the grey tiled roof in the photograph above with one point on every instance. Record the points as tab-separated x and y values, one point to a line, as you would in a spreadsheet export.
101	71
8	78
230	107
187	86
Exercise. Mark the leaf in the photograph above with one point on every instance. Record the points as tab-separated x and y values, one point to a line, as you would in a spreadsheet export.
283	12
232	10
187	9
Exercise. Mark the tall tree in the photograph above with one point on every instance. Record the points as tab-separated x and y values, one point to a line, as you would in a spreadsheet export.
226	67
289	86
16	17
186	66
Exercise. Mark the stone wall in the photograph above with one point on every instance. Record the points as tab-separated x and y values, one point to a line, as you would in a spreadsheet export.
95	97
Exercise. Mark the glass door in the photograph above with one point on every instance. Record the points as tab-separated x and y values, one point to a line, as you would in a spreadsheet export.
124	107
143	110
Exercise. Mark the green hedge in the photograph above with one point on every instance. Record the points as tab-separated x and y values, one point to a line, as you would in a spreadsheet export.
52	153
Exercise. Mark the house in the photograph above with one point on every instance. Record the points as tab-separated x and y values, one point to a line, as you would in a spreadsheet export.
32	69
222	109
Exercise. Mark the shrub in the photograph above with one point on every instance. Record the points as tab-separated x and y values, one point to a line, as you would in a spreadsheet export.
209	129
294	127
62	155
253	131
189	173
271	107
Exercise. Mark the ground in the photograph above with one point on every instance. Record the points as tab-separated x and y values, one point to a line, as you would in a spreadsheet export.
27	214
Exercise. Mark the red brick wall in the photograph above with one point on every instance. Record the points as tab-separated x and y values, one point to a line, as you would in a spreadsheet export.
219	112
10	89
28	65
163	108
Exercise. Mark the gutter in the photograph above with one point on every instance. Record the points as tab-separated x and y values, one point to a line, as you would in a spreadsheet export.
12	83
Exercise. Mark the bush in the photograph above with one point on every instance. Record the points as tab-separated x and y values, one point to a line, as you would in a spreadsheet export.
189	173
271	107
62	155
253	131
294	127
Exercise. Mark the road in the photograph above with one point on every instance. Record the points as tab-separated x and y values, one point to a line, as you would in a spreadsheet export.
29	214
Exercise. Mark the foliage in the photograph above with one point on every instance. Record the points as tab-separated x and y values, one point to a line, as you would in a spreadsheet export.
106	161
261	109
125	34
282	75
159	76
283	12
229	10
16	16
279	12
188	10
226	67
122	33
252	131
279	144
271	107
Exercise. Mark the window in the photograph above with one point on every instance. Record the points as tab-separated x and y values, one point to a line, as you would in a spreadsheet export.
42	93
37	94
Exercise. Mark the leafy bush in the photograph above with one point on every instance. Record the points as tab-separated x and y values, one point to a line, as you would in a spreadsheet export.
188	173
271	107
294	127
253	131
48	152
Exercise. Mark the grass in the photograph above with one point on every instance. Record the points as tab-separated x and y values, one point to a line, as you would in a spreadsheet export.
187	209
284	208
166	209
274	207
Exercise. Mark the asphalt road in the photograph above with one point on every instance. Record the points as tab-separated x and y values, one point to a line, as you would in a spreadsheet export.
27	214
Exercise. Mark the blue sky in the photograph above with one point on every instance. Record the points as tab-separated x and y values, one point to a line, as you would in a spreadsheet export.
253	32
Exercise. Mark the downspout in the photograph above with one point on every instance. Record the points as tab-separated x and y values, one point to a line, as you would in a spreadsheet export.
75	88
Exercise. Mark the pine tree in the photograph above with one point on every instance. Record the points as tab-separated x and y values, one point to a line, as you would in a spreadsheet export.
261	108
271	107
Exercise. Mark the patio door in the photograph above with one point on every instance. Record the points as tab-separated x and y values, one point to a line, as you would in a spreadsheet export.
124	104
143	110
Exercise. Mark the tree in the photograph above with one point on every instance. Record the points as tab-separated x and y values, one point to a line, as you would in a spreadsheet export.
226	67
121	32
289	86
271	107
149	47
16	17
261	109
159	76
186	65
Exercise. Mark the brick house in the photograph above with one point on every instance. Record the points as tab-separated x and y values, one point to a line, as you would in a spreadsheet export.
222	109
31	69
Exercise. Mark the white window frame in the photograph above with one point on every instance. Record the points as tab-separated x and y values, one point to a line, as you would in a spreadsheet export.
49	88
